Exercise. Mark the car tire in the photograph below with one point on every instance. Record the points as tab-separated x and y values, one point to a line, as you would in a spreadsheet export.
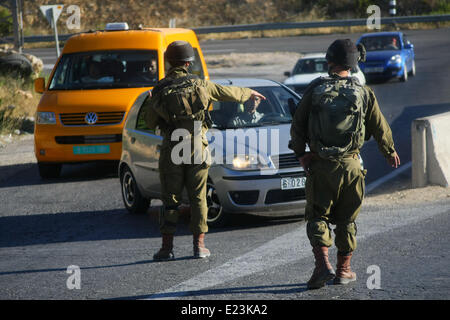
404	76
132	198
15	64
217	216
412	73
49	170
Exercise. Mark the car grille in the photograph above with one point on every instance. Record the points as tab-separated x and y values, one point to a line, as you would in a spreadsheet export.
109	138
280	196
104	118
287	160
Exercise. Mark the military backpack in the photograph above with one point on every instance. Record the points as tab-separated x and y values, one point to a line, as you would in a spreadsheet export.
184	101
336	123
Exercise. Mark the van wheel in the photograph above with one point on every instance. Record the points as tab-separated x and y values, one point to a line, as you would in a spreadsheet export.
217	217
49	170
132	198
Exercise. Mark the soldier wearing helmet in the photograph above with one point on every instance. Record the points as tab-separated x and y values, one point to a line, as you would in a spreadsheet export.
180	101
334	118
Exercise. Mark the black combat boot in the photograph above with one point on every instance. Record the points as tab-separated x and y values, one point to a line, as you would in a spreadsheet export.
344	273
166	251
199	246
323	271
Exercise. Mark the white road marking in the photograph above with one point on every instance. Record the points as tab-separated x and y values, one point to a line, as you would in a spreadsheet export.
218	50
370	187
294	246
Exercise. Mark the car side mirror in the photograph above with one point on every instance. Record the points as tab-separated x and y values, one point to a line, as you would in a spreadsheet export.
287	73
39	85
409	46
292	106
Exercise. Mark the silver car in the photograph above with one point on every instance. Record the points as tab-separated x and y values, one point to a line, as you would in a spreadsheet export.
252	168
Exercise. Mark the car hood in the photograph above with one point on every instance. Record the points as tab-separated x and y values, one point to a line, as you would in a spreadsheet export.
381	55
303	78
77	101
219	139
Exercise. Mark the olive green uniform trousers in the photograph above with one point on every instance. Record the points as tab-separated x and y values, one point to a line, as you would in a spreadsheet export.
174	178
334	194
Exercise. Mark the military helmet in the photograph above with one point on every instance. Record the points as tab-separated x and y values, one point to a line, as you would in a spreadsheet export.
179	51
343	52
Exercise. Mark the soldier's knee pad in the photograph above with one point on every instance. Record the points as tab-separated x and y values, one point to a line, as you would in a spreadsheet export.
319	233
346	236
168	218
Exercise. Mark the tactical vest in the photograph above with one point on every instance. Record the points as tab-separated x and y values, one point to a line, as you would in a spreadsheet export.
184	101
336	123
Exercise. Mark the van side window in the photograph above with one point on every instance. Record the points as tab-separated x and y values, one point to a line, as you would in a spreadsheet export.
61	72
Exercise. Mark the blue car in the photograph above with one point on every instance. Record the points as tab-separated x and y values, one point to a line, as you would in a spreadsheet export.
389	55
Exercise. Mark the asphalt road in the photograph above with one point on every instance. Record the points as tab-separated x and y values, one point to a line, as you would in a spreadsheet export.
79	220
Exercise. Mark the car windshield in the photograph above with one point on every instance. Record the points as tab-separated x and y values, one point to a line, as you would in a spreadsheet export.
317	65
274	110
380	43
106	69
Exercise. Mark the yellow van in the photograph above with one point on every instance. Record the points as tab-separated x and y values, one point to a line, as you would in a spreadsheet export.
92	87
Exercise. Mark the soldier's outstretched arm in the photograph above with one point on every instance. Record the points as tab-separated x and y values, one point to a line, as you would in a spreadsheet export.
230	93
378	127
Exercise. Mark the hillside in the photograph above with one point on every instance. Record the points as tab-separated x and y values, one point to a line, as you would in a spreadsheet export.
193	13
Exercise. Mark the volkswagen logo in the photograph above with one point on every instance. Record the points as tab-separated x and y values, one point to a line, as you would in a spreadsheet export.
91	118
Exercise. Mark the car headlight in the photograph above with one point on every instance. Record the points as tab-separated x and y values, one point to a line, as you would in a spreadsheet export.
397	59
45	118
247	162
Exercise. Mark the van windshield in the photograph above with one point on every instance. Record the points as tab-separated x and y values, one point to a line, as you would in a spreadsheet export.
275	110
105	70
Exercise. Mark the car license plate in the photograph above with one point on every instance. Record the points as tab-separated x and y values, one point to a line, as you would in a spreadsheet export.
374	69
293	183
91	149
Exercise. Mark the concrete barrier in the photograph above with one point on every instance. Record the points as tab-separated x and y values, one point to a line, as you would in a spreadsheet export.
431	150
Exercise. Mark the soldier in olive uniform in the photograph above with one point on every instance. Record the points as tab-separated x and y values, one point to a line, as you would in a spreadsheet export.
335	116
179	101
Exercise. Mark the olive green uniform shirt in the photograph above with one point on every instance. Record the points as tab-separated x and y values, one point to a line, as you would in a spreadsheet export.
156	117
375	125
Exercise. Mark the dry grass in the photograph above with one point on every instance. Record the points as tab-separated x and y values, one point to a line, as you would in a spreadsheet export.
18	103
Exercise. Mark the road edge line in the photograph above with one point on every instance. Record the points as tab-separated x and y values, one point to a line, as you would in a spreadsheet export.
375	184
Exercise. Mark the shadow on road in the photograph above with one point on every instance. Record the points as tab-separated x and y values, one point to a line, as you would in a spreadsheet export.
28	174
269	289
113	224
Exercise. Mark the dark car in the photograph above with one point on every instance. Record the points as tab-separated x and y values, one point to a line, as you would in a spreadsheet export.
389	55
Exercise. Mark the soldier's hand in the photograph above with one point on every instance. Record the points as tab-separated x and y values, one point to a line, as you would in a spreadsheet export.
394	160
256	94
305	161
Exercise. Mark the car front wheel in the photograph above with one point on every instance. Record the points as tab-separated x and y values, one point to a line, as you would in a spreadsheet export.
413	69
404	76
132	198
217	217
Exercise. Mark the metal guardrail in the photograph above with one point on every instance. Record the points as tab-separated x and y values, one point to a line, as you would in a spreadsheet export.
320	24
284	25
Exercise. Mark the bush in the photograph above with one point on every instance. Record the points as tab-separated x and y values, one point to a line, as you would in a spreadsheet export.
5	22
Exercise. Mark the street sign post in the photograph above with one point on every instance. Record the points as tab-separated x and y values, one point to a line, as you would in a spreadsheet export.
52	13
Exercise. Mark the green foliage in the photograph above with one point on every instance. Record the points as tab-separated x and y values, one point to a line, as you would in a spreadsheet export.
5	22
